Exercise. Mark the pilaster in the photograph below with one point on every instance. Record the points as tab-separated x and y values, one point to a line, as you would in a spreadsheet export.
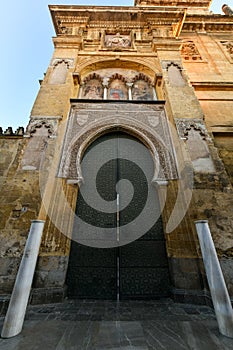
179	93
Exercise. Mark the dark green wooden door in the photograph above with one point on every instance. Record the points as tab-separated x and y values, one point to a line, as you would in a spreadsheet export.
118	169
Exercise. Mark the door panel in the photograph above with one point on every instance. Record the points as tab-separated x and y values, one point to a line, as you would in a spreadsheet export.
143	264
144	283
138	269
92	272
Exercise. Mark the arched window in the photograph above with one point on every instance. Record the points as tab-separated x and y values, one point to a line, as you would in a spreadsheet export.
175	75
117	89
59	73
93	88
142	89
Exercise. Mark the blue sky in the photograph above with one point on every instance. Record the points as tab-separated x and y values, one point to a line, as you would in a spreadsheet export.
26	50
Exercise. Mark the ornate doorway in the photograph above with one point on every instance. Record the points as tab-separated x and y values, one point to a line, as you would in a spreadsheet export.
118	248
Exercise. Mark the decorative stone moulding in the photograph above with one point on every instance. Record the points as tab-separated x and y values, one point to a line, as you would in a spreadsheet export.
65	24
174	73
185	125
182	3
208	24
128	27
68	61
37	122
88	121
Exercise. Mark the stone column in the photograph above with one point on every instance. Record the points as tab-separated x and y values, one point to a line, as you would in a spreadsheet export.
218	290
105	92
80	92
129	85
105	85
14	319
161	187
154	94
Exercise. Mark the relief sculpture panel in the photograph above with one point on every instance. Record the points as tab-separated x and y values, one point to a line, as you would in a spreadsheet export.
117	41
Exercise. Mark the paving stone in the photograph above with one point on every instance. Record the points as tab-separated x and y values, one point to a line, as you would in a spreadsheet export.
87	325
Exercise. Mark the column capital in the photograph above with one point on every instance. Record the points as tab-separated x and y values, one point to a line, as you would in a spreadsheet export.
105	82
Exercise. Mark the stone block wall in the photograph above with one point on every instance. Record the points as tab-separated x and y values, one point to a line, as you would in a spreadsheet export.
17	208
189	60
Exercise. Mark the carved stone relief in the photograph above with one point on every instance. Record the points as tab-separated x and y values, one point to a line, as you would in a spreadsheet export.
117	41
147	122
228	46
189	51
66	30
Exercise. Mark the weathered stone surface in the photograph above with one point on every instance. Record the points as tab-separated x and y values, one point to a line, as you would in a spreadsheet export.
50	271
184	60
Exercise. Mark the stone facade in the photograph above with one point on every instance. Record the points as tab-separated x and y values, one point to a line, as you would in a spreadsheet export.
164	77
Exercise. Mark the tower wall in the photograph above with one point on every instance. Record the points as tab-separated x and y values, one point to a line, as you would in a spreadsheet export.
183	60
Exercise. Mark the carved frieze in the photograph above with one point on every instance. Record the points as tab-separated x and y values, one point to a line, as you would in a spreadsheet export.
193	3
69	25
88	120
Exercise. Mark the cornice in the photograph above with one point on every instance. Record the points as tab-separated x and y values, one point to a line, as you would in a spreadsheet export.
75	20
68	42
184	3
166	45
213	85
210	23
66	18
